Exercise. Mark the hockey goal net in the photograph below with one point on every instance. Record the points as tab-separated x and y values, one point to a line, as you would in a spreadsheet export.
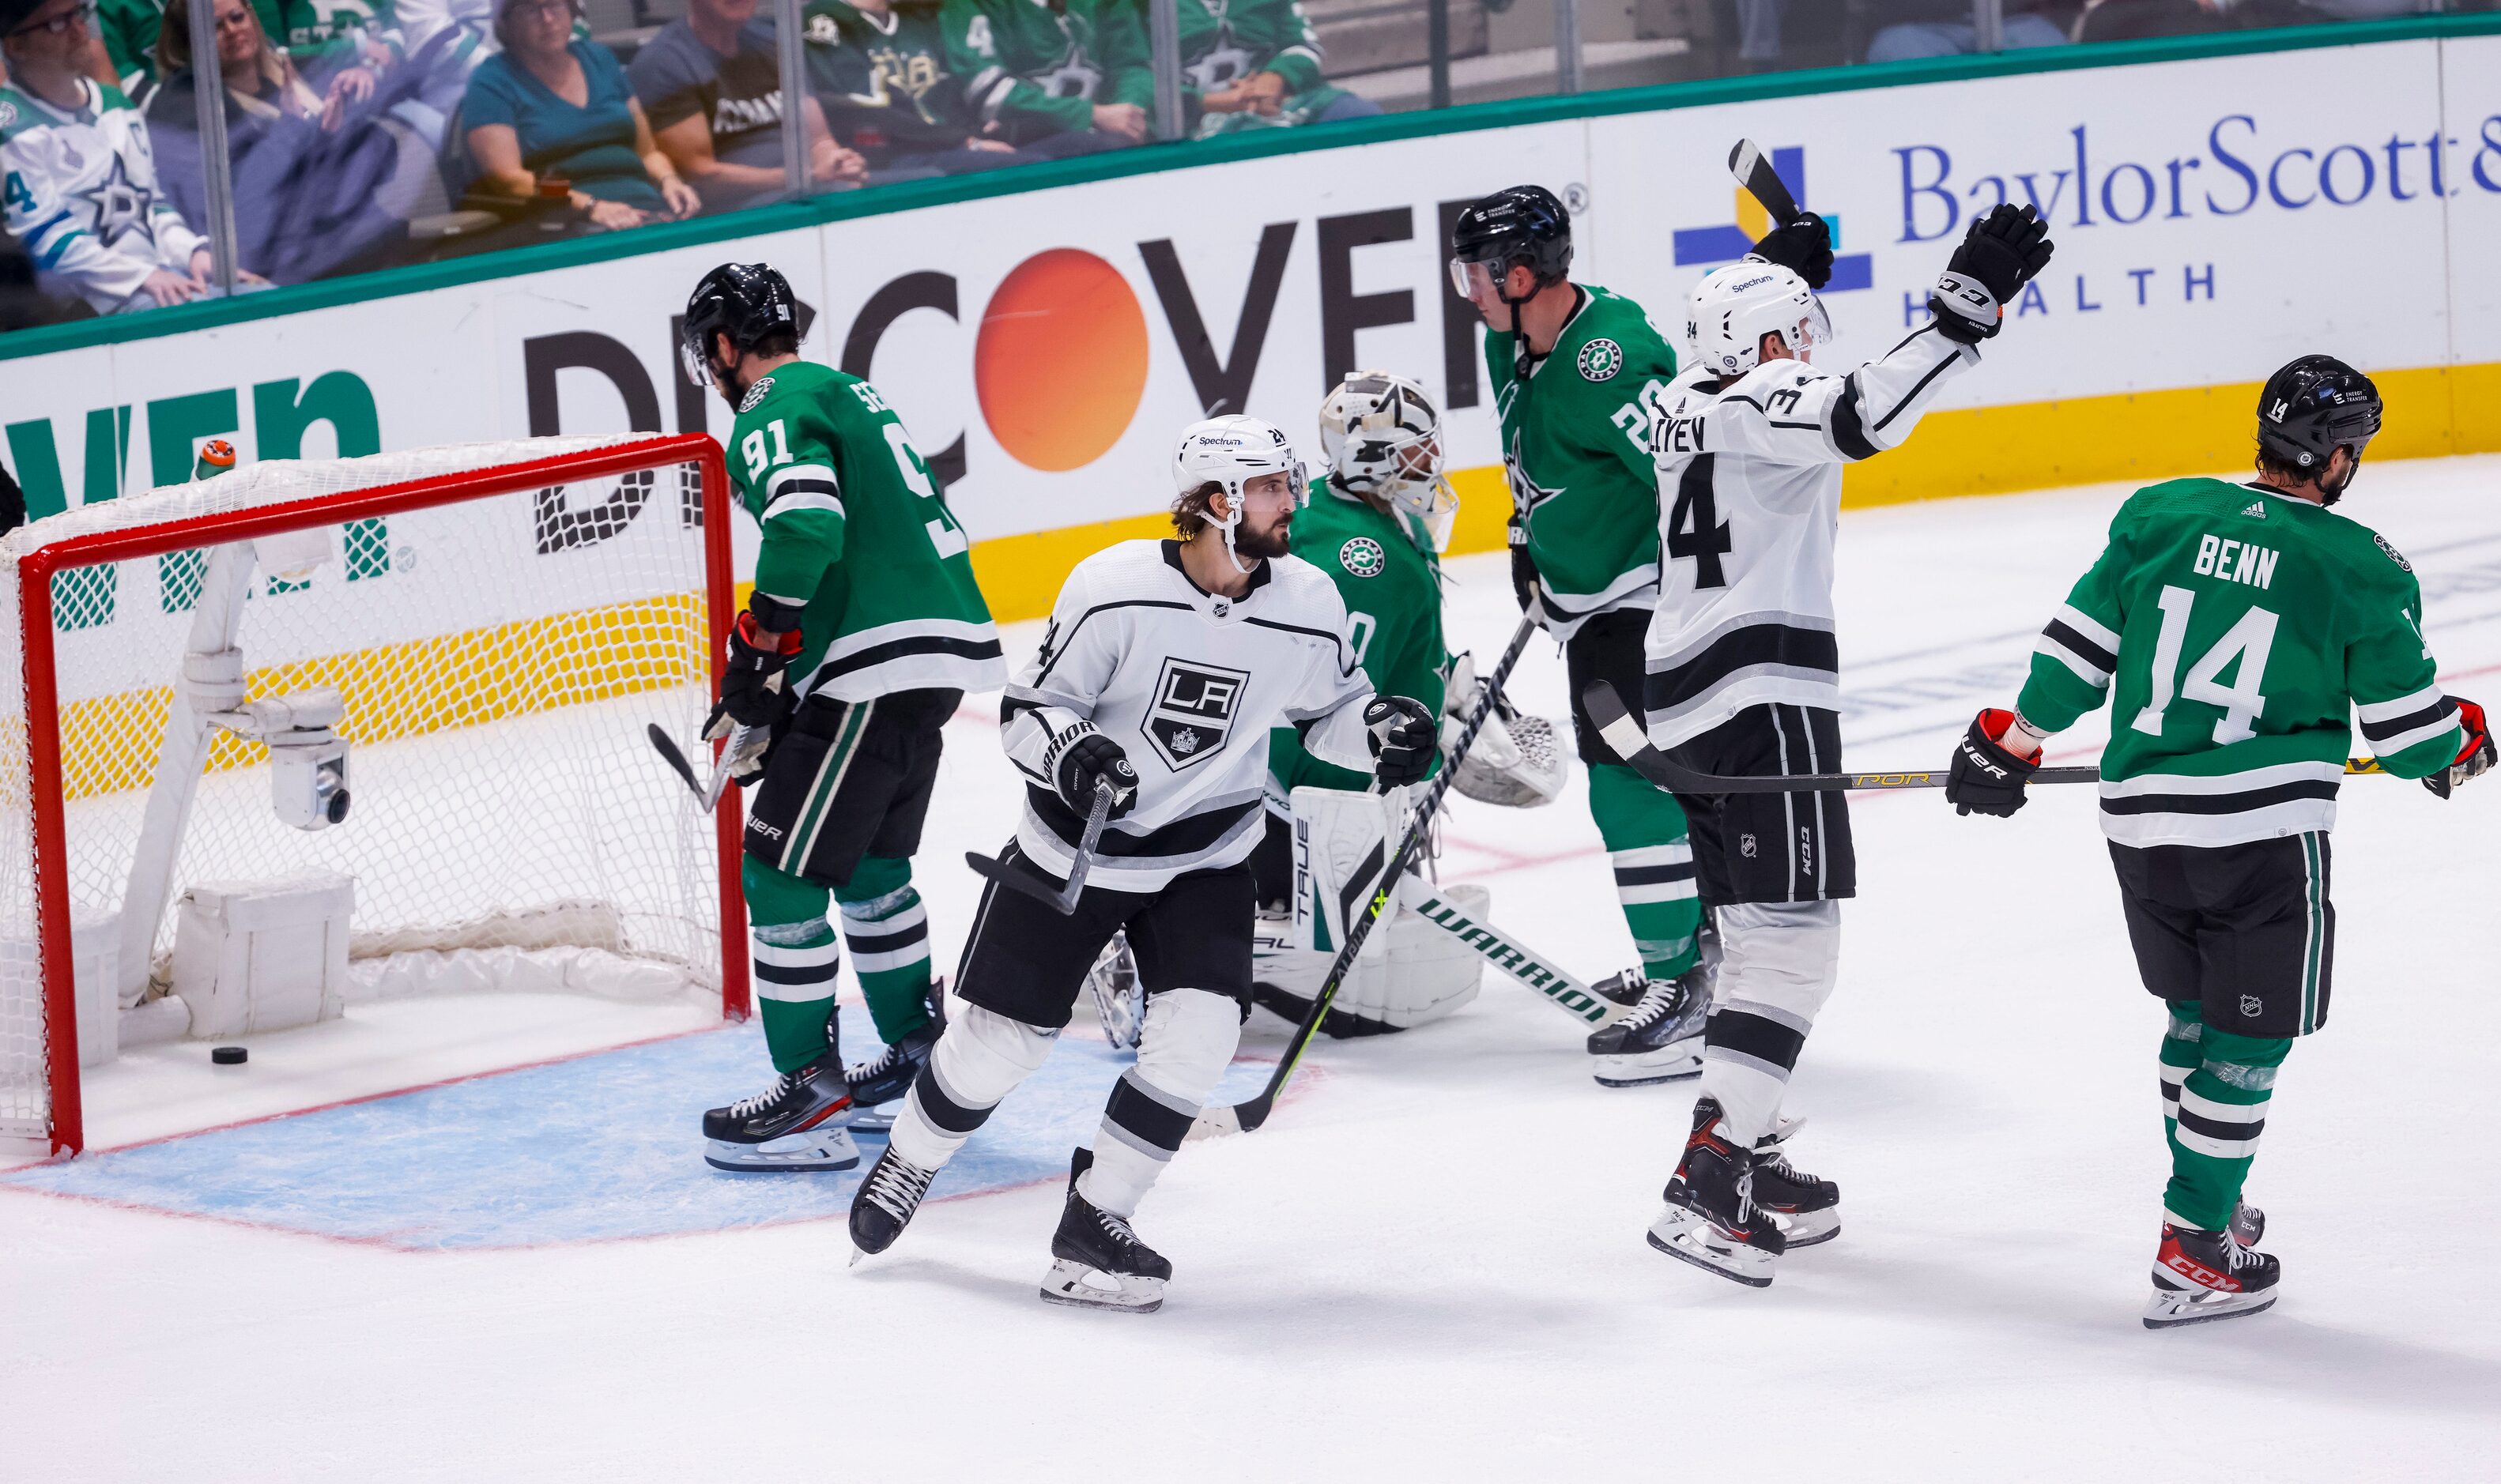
485	633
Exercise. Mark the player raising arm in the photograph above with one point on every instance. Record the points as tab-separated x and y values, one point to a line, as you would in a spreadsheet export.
1743	679
1164	666
865	630
2217	794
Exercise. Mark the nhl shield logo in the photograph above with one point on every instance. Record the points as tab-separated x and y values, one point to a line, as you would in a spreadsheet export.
1601	359
1193	709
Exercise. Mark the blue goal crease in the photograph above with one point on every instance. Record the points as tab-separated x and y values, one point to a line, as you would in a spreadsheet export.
603	1148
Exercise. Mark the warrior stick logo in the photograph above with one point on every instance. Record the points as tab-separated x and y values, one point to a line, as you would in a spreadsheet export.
1193	710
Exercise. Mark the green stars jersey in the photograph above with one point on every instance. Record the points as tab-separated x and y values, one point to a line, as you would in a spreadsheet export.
1576	443
1225	40
858	535
1038	67
1392	589
882	77
2233	629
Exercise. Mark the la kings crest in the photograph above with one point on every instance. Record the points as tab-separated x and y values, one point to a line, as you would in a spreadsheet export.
1193	709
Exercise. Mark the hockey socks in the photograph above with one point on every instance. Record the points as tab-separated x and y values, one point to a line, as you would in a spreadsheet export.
796	959
1774	971
1189	1041
980	1060
2215	1089
888	932
1644	832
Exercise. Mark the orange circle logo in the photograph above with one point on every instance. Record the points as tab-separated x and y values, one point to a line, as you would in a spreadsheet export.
1060	362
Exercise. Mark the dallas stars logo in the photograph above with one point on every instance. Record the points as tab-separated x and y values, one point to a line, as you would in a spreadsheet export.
120	207
1526	494
1600	360
1363	557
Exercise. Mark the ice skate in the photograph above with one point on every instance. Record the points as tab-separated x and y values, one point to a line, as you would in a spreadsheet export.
2201	1277
797	1125
1661	1040
1711	1219
885	1203
878	1086
2249	1223
1100	1262
1807	1208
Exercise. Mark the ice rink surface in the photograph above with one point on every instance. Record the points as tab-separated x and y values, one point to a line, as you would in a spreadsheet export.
1430	1264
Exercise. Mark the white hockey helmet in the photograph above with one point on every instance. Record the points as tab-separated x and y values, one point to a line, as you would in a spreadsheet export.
1733	308
1230	451
1383	437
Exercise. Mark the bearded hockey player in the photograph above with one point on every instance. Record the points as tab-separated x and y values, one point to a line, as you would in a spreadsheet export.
2218	797
865	630
1574	370
1166	665
1743	678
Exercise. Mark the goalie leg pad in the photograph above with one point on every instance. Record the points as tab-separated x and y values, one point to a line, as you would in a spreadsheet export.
1189	1039
980	1060
1410	972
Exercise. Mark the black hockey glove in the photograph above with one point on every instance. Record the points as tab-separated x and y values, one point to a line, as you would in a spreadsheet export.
2001	254
1986	778
1403	739
1804	247
1081	757
2474	760
1523	567
753	692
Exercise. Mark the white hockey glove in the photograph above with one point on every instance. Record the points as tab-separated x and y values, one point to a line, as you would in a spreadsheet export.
1515	762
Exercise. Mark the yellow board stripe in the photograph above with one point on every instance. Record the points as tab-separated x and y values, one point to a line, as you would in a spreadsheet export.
110	743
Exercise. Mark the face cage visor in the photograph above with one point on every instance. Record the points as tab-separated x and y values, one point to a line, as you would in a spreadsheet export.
691	358
1813	329
1470	277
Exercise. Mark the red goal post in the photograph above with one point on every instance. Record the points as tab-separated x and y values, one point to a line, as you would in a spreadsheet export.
499	622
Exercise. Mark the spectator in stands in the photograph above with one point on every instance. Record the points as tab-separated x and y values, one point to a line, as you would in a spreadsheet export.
711	84
13	503
878	70
550	106
1918	29
128	30
1249	63
81	188
309	168
1058	77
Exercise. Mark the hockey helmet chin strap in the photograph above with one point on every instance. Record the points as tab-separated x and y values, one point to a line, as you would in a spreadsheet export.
1228	525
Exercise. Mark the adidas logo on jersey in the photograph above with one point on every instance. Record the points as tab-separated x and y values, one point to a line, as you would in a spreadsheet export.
2256	509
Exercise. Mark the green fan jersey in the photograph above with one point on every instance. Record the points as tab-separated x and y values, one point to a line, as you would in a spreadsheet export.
858	535
2233	629
1576	444
1038	67
1225	40
882	78
1392	589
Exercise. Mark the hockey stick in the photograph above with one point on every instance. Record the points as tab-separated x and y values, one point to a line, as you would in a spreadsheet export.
1242	1117
1753	170
706	794
1631	744
1062	899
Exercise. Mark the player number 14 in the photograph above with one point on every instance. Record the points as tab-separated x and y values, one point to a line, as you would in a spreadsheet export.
2248	640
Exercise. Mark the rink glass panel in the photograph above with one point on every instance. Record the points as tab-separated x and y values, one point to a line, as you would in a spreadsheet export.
503	622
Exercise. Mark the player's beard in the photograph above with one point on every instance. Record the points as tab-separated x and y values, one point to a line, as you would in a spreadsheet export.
1259	545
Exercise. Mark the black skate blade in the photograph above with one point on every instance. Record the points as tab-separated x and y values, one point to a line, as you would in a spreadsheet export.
1650	1080
1702	1258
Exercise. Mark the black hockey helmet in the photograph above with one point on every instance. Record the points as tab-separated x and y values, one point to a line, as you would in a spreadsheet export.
2314	406
744	300
1521	226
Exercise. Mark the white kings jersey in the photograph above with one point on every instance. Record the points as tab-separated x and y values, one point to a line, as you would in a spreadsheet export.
1188	682
1750	499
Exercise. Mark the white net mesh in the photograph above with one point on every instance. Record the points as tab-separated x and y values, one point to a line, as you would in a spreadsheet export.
500	658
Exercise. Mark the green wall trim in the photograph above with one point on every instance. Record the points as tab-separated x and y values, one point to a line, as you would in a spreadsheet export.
912	195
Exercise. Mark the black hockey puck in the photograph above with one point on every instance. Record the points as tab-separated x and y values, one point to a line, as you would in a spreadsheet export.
229	1056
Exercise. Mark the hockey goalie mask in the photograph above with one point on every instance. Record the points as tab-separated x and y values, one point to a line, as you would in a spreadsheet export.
1383	438
1230	452
1733	308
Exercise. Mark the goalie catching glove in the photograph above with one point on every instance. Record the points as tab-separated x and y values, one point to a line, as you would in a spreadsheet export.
2003	252
1515	762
